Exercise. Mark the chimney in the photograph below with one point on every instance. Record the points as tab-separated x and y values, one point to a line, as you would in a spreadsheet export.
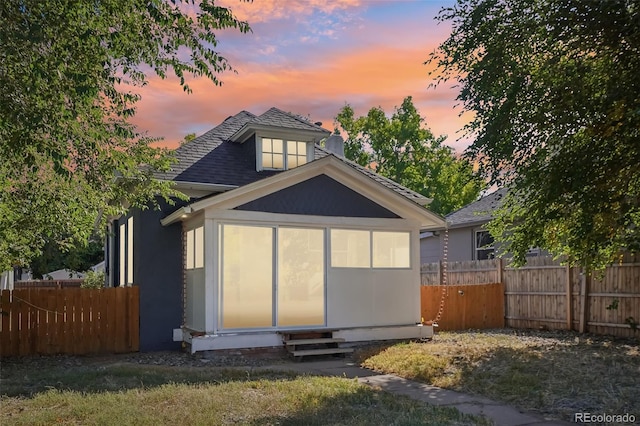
335	145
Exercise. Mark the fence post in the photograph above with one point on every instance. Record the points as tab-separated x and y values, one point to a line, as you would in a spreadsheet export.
440	273
584	293
500	280
569	299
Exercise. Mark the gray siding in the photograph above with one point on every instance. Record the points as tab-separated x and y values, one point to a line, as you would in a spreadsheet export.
158	273
460	244
430	249
319	196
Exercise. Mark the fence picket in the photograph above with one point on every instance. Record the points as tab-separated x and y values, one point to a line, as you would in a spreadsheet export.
69	320
545	294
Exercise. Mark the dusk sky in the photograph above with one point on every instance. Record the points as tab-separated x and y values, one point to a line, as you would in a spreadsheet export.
311	57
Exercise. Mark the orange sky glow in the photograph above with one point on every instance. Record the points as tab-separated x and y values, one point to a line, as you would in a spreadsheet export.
311	57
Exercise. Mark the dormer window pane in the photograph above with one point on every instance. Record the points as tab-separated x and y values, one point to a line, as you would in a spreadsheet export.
272	156
278	161
275	151
297	153
277	146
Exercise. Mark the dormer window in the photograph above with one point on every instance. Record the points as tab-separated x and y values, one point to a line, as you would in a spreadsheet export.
282	154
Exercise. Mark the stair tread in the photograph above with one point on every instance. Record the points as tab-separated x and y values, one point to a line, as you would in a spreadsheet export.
320	340
324	351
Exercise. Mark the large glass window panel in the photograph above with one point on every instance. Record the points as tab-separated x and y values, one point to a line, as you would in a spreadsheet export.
272	153
130	251
391	249
199	247
189	251
350	248
247	276
123	253
300	277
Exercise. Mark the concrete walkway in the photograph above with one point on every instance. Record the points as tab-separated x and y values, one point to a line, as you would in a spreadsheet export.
499	413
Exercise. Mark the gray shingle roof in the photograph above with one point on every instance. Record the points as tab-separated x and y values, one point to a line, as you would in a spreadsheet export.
477	212
406	192
279	118
213	158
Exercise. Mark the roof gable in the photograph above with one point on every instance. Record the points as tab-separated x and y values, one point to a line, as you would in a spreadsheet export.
319	196
336	169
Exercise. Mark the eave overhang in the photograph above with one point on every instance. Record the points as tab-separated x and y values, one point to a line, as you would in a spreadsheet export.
330	166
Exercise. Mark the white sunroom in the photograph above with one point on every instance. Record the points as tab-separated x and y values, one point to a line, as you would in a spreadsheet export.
285	253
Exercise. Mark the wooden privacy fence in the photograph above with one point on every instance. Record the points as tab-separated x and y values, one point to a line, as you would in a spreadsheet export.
465	306
69	321
545	294
70	283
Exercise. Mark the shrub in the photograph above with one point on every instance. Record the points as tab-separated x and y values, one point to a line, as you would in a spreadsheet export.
93	279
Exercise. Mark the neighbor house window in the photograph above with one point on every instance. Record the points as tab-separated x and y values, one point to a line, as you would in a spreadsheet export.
195	248
365	249
126	252
484	245
283	154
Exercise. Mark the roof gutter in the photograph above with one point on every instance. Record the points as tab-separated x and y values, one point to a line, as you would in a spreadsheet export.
177	215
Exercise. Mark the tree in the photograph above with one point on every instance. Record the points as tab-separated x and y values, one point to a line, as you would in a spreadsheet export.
402	149
555	88
188	138
78	259
68	71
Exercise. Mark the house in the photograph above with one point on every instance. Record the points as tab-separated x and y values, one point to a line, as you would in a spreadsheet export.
279	235
468	239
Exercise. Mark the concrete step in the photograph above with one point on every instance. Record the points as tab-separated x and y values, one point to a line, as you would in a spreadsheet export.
319	341
323	351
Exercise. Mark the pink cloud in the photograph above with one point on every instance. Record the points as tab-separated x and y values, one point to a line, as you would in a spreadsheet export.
368	67
268	10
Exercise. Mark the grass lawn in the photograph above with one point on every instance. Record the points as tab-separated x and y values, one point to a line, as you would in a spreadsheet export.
129	394
556	373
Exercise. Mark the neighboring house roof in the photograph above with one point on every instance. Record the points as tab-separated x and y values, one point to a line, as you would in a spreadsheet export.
213	158
478	212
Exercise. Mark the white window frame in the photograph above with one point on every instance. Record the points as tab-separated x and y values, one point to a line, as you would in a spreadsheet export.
285	160
194	251
477	249
125	255
372	262
275	227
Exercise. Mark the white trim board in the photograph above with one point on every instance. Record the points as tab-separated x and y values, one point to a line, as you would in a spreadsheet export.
330	166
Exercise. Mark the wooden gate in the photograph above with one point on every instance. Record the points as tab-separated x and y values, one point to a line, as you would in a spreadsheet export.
69	321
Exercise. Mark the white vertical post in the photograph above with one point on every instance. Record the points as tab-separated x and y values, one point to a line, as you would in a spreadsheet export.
210	276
